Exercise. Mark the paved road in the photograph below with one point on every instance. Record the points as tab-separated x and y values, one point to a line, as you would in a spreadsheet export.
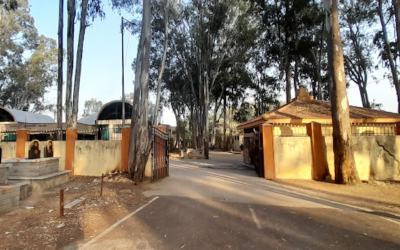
222	204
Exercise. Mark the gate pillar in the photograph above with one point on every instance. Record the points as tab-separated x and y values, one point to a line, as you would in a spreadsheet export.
319	161
126	132
268	151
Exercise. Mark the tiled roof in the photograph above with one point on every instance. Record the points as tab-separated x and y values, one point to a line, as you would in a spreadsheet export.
310	110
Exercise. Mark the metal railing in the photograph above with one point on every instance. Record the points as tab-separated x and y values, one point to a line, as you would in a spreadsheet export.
364	129
111	134
47	135
8	135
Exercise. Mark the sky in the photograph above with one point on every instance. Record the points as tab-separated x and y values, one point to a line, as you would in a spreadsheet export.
101	70
101	63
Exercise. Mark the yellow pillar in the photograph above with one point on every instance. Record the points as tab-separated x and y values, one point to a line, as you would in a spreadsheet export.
71	137
126	132
22	138
319	162
268	151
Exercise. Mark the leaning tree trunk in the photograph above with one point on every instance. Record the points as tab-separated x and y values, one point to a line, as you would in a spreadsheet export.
78	69
60	69
140	143
396	4
345	168
155	115
70	59
390	55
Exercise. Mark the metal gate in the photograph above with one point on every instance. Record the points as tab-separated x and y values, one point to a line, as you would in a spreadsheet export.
159	155
253	151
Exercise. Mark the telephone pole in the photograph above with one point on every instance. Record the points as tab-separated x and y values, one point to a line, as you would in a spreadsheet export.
123	72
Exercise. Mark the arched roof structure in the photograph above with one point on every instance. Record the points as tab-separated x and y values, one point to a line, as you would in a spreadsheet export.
113	111
19	116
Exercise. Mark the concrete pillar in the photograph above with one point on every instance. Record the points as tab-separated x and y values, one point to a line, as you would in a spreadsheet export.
71	137
22	138
268	151
319	162
126	133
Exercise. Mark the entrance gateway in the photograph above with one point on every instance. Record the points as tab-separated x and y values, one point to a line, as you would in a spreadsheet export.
159	155
253	151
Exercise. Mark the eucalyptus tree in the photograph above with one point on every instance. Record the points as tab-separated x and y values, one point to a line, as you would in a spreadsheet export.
27	60
164	55
345	168
60	80
207	39
389	49
89	11
357	19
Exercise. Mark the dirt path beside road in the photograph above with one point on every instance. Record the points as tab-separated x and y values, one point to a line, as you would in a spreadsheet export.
382	196
36	224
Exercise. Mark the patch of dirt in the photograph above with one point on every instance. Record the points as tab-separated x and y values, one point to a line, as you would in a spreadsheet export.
382	196
36	224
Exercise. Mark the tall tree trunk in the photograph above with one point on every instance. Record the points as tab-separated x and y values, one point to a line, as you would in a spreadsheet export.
288	72
192	123
396	4
224	137
345	168
319	61
184	135
390	55
140	143
231	129
296	58
155	115
213	125
78	68
70	59
60	69
178	128
207	121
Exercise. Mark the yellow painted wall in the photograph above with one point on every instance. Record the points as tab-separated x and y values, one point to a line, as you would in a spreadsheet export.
293	158
372	161
93	158
9	149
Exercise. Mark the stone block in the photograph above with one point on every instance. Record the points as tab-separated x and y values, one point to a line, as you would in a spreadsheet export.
4	172
6	207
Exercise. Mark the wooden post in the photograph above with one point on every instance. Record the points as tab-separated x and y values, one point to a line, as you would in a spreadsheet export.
126	132
22	138
397	128
101	187
61	203
268	151
319	161
71	136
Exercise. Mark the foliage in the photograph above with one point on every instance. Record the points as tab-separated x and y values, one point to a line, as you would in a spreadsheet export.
28	62
92	106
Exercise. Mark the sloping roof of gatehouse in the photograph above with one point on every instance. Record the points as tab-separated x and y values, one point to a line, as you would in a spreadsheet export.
306	110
